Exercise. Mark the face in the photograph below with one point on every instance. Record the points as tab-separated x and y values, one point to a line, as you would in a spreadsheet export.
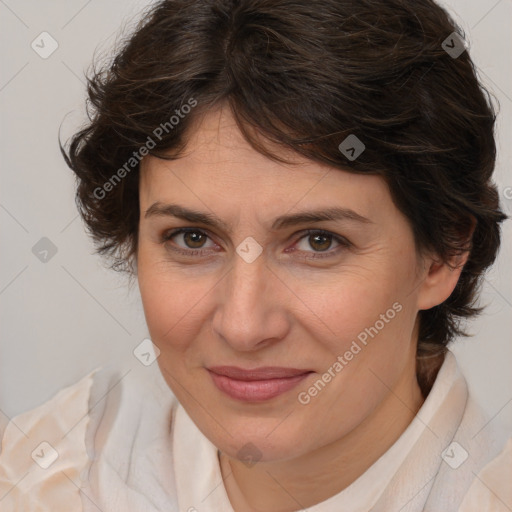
335	299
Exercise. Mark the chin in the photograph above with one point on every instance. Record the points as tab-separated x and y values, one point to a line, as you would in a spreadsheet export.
255	443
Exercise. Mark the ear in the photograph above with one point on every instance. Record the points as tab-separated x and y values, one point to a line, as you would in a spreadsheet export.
442	277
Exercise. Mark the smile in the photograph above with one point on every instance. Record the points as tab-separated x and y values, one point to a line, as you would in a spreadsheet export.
256	385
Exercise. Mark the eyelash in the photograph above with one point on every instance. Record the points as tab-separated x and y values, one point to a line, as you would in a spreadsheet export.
344	244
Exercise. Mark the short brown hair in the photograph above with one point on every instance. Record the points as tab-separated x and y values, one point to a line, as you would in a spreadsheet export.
306	75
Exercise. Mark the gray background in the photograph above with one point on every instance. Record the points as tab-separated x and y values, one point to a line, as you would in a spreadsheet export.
66	316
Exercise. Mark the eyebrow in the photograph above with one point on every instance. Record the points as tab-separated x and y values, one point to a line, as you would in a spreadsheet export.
209	219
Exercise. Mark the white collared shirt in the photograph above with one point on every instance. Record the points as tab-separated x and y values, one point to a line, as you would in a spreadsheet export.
118	440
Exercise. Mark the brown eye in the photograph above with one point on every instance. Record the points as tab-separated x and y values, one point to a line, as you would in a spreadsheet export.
186	241
194	239
320	242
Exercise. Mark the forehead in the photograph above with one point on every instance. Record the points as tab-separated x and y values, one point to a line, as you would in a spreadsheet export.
220	166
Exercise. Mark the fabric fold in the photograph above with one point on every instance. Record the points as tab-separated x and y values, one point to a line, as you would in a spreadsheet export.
44	459
125	443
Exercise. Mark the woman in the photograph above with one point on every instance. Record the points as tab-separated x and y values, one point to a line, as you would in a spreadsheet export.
305	198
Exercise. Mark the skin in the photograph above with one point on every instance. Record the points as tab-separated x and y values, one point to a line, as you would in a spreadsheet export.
283	309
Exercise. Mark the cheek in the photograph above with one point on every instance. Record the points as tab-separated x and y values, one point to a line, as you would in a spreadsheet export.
367	320
356	306
173	304
161	296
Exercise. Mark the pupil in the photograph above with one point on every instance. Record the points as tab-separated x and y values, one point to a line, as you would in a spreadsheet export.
195	238
194	235
326	238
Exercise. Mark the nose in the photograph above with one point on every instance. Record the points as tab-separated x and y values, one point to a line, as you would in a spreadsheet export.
251	311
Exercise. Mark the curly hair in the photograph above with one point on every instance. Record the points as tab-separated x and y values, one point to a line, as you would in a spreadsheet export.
305	75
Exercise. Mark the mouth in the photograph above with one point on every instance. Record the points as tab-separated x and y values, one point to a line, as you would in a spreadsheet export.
258	384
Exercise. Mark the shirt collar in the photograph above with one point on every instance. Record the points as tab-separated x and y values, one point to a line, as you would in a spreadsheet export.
199	481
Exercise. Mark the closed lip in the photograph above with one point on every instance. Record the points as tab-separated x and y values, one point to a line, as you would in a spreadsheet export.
262	373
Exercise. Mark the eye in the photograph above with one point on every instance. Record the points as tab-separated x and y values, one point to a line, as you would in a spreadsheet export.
193	240
321	241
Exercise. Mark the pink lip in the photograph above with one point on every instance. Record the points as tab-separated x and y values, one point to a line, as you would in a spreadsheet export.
256	385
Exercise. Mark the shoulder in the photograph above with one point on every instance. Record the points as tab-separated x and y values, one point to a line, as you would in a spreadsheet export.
491	490
43	450
106	439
